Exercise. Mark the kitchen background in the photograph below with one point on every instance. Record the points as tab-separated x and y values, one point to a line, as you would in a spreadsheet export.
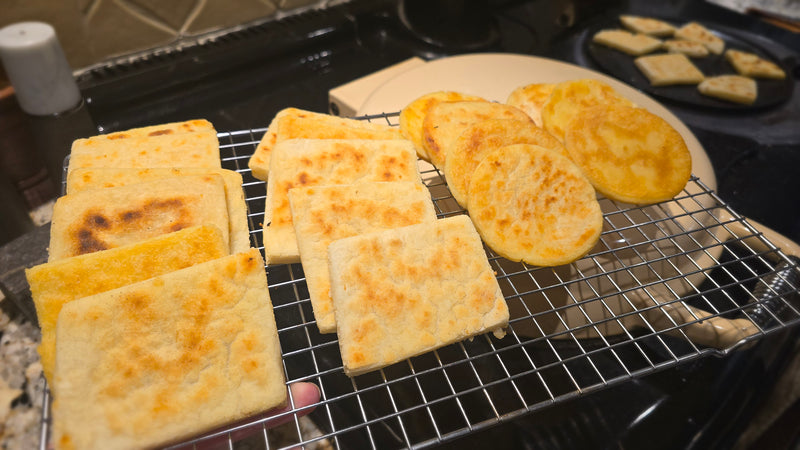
94	32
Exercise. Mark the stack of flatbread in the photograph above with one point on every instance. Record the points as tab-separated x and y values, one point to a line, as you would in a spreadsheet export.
331	181
156	319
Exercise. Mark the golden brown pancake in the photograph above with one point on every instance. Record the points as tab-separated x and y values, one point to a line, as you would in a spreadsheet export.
445	121
413	114
481	138
569	97
534	205
531	99
629	154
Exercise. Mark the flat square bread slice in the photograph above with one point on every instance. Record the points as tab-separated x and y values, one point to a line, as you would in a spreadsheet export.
324	214
83	179
733	88
293	123
751	65
319	162
195	149
696	32
446	120
57	283
531	99
188	126
669	69
100	219
688	48
413	114
410	290
627	42
647	25
168	358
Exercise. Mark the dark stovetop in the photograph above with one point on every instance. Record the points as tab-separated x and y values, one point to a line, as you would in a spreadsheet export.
241	80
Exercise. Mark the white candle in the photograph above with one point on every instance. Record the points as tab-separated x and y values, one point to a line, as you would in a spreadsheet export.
38	70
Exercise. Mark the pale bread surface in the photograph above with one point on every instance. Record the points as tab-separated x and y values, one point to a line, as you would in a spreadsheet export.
569	97
317	162
445	121
402	292
412	115
751	65
480	138
324	214
688	48
629	154
190	149
187	126
57	283
83	179
733	88
100	219
647	25
631	43
669	69
293	123
534	205
531	99
167	358
696	32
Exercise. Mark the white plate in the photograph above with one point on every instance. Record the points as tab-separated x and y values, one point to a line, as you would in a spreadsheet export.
494	75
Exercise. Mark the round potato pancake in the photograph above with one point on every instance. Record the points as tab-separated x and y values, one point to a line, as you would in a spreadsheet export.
412	115
480	138
531	99
570	97
531	204
629	154
447	120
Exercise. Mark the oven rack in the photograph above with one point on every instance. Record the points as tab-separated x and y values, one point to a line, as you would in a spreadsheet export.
652	295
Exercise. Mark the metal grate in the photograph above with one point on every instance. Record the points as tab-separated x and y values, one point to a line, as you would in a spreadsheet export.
667	284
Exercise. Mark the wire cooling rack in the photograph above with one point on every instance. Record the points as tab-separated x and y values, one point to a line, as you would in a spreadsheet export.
666	284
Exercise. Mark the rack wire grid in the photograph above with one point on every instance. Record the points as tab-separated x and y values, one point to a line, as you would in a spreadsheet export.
666	284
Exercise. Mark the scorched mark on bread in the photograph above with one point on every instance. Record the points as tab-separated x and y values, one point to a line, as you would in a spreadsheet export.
89	232
160	132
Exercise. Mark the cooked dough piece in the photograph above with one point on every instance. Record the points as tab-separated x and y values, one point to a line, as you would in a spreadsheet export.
413	114
733	88
569	97
688	48
293	123
445	121
669	69
132	149
83	179
751	65
324	214
402	292
693	31
479	139
168	358
531	99
318	162
625	41
188	126
647	25
629	154
57	283
532	204
100	219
